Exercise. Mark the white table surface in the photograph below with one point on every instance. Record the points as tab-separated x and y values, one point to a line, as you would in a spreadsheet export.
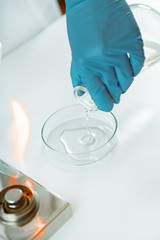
117	198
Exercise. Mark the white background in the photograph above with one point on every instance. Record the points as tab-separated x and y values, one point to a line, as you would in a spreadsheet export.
20	20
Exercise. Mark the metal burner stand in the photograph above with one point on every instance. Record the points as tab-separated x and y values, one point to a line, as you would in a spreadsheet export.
28	213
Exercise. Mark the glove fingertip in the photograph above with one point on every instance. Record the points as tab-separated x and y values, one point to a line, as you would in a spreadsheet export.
137	64
104	102
137	57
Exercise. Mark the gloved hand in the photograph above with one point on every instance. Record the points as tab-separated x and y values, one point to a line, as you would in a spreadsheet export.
107	49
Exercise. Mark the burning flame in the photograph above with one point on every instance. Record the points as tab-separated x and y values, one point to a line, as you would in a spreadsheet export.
20	136
29	184
20	130
12	180
39	224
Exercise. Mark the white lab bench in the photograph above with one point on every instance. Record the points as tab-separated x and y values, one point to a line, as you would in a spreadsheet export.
117	198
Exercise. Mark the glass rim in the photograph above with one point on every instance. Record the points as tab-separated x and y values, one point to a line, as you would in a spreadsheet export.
144	6
79	154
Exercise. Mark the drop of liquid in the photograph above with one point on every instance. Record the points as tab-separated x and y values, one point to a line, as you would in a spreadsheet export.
87	140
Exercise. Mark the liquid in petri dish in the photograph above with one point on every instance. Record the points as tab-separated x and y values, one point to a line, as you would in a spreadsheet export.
84	139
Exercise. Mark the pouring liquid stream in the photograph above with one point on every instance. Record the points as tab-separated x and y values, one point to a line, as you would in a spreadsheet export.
88	138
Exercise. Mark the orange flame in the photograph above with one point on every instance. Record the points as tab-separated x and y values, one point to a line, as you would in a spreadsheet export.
20	140
20	130
29	184
12	180
39	224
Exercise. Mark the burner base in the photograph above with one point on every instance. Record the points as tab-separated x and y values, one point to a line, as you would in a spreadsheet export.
50	213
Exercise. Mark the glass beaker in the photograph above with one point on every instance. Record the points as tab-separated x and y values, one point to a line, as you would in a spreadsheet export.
148	20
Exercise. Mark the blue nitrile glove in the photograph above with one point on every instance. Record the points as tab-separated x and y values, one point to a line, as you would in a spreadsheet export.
107	49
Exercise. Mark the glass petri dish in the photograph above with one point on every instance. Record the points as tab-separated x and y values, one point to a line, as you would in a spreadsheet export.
65	135
148	20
